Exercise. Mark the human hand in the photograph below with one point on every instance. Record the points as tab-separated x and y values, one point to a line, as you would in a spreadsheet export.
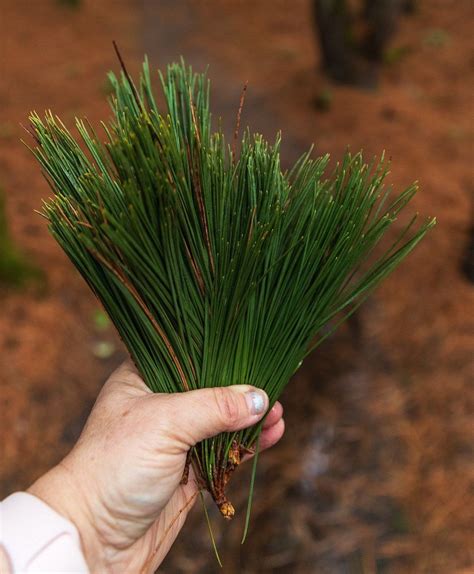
120	485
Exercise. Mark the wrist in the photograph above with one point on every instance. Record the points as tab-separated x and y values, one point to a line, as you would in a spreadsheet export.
59	489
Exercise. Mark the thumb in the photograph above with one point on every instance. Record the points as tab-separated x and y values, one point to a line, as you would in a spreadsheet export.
203	413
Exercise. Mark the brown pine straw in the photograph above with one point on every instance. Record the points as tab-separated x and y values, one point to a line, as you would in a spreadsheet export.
147	565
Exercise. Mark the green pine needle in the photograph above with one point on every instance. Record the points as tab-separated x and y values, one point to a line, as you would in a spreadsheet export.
209	529
251	491
215	269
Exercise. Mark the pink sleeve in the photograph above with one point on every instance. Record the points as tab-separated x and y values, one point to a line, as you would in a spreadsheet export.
38	539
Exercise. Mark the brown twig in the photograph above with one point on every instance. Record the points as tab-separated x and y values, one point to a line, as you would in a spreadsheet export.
237	123
123	279
146	566
127	75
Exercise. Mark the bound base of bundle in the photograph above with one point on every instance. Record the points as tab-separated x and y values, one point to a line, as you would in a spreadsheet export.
221	476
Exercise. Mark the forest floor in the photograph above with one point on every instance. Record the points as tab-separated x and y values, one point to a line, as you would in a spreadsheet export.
375	473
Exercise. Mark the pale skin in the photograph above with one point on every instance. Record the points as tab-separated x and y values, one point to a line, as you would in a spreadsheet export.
120	485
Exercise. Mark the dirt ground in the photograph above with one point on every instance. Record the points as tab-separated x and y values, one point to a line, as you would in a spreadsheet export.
376	471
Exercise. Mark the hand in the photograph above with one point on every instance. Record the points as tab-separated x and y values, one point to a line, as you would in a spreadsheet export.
120	485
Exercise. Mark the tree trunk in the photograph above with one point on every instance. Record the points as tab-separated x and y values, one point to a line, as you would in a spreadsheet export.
382	16
333	21
345	59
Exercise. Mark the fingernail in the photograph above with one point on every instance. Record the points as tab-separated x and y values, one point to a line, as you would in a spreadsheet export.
256	401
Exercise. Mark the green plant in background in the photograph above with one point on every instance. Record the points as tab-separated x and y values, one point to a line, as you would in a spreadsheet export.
324	99
396	54
102	348
15	269
436	38
101	320
216	268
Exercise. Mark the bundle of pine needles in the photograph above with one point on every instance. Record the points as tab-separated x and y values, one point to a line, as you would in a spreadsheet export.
215	269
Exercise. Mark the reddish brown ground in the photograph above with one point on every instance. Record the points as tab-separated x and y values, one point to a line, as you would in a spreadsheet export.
375	473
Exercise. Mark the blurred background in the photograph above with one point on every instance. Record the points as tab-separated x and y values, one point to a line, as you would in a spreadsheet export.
376	471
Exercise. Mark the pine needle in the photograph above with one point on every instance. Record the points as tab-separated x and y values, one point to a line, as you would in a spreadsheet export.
215	269
209	528
251	489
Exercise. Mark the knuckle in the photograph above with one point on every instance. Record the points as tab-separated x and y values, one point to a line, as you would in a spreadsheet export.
228	406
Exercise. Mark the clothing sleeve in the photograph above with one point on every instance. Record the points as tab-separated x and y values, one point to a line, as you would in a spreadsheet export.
37	539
